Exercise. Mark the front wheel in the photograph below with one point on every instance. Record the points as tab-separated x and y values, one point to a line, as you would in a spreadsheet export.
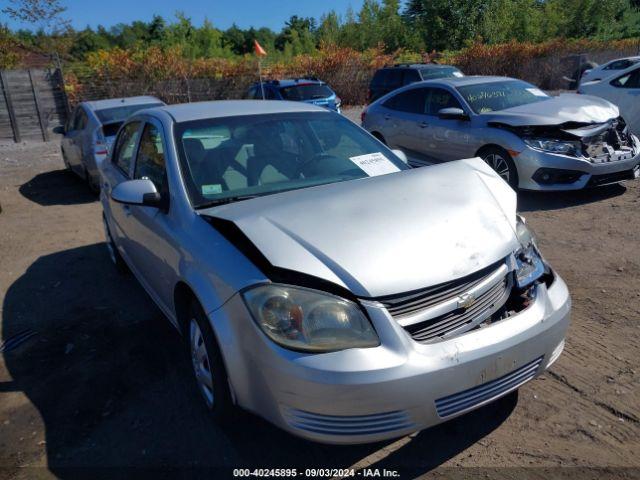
500	160
208	367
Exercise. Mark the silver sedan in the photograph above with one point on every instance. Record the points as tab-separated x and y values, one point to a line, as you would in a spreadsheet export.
533	140
90	130
320	282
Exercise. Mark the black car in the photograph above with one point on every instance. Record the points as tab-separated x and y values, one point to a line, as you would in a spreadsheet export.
388	79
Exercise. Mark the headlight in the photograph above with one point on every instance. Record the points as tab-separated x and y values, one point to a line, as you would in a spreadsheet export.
529	265
554	146
309	320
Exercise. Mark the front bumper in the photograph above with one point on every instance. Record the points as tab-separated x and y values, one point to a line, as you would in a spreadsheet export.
530	163
366	395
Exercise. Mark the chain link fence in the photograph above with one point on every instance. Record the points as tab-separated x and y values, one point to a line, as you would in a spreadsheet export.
552	66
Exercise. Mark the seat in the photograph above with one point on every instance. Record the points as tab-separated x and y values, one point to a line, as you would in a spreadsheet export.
270	162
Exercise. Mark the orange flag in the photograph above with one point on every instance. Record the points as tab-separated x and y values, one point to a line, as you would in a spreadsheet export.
261	52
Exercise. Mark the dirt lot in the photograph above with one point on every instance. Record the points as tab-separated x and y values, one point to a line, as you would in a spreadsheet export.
102	381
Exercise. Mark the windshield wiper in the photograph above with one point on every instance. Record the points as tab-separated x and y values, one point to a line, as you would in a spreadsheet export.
224	201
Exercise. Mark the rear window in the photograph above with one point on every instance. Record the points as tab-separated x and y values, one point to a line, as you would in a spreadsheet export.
309	91
120	114
440	72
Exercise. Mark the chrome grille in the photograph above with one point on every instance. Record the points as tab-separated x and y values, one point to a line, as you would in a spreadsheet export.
440	312
474	397
457	320
348	424
408	303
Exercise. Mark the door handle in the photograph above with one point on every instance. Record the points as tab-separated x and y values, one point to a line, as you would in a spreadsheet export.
127	210
423	124
387	117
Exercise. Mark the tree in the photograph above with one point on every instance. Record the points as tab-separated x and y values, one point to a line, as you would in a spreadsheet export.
46	14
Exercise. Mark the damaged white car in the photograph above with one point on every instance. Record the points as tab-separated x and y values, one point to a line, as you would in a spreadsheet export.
533	140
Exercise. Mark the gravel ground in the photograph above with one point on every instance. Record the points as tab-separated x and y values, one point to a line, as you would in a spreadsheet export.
102	380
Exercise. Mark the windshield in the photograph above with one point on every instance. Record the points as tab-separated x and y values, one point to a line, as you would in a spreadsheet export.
118	114
440	72
309	91
227	159
496	96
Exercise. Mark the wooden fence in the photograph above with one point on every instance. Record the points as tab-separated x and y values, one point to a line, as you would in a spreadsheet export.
32	103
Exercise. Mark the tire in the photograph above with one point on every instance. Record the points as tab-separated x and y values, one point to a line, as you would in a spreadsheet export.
500	160
114	255
209	372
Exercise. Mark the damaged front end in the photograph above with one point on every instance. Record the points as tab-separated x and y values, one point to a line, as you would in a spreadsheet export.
605	142
608	148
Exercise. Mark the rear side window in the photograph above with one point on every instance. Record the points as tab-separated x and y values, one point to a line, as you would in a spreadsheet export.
80	121
380	78
630	80
125	147
409	101
394	78
151	163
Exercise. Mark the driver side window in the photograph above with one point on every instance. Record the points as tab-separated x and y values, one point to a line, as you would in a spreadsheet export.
437	99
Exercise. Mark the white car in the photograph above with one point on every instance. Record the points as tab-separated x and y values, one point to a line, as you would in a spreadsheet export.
607	70
622	90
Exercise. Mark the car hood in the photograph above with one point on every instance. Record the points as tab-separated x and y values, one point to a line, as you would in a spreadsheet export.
386	234
565	108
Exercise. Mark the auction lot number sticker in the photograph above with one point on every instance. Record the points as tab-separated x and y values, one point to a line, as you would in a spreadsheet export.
315	472
374	164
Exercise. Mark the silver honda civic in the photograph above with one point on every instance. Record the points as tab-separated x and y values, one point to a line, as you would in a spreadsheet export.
320	282
533	140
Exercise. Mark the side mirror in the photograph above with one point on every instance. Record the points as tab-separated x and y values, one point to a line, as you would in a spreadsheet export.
137	192
60	130
452	114
401	155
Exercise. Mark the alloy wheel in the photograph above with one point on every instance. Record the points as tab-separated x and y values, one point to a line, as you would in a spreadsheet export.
499	164
200	362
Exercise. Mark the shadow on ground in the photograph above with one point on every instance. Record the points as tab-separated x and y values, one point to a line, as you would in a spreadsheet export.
112	385
530	201
57	187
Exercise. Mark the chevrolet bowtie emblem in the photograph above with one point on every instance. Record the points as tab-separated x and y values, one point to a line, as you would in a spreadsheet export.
466	300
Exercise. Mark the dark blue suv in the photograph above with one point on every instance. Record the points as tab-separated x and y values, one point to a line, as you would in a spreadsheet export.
308	90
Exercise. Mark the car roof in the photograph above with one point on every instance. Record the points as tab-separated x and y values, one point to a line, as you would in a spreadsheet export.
290	82
426	66
231	108
121	102
632	58
462	81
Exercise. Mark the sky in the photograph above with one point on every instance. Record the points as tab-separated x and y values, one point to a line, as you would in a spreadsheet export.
245	13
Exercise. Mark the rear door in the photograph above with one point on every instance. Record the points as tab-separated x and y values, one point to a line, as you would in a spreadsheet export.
402	123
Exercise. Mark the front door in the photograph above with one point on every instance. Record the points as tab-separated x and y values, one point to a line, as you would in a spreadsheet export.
153	248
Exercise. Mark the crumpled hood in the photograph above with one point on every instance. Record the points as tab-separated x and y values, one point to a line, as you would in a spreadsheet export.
568	107
386	234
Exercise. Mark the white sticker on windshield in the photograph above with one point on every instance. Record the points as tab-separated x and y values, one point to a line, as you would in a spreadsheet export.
458	74
374	164
211	189
537	92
